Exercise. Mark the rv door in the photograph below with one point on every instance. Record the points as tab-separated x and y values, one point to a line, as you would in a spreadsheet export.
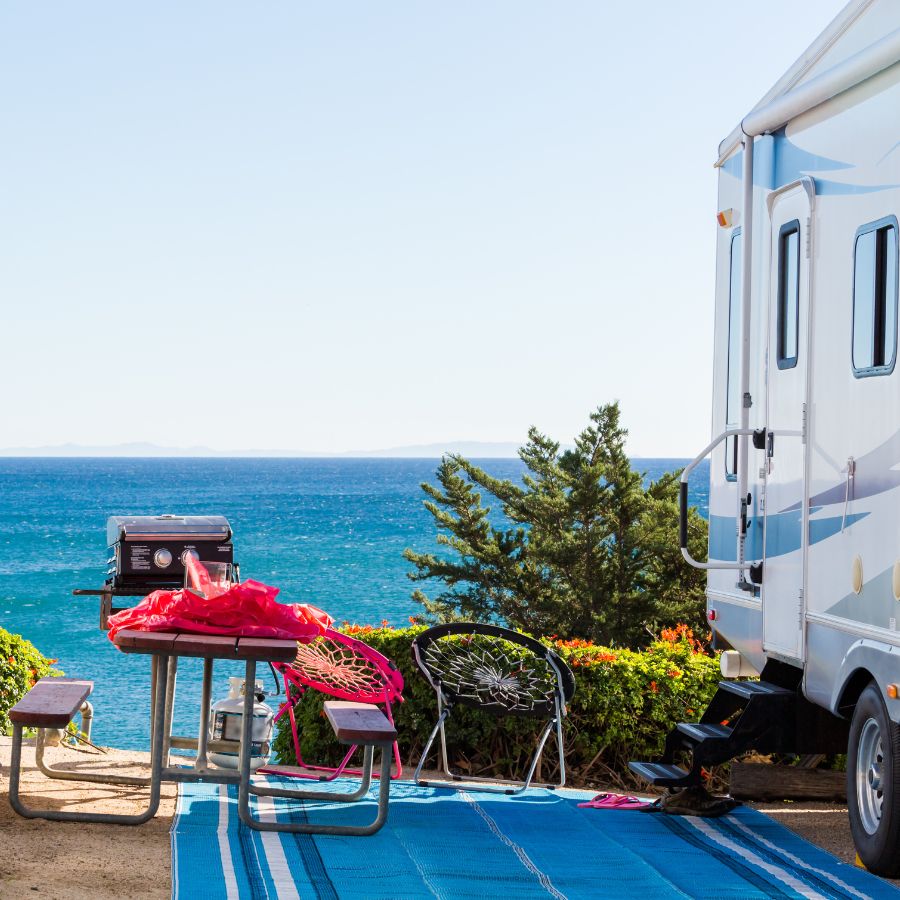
785	466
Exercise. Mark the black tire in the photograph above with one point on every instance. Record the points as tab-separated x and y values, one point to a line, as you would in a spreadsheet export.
873	784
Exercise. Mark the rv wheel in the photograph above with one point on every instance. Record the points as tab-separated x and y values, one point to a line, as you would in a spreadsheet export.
873	784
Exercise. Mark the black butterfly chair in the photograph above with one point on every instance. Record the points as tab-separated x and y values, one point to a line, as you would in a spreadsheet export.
498	671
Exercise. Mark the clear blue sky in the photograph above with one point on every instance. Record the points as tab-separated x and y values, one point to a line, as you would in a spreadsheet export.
359	225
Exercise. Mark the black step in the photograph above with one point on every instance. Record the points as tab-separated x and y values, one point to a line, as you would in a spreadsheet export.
748	689
663	774
699	733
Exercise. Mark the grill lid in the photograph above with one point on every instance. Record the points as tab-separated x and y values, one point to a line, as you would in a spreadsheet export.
144	528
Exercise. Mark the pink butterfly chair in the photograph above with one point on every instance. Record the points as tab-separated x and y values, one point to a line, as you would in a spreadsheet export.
338	665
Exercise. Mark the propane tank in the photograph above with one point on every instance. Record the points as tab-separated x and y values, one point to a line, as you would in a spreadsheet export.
226	722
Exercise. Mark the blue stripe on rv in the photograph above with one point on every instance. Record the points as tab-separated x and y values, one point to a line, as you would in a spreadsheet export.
783	534
781	161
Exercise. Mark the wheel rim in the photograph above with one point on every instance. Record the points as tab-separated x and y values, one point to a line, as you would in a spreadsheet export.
870	776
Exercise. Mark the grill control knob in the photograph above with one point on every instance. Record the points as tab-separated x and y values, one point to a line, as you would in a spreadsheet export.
162	558
188	553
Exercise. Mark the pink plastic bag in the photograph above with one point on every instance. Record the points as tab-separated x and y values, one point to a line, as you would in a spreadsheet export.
248	609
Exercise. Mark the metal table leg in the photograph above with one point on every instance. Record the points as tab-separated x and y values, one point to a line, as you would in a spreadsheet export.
106	818
201	762
291	793
172	677
96	777
245	789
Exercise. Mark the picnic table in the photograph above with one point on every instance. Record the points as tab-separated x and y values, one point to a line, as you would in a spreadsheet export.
55	700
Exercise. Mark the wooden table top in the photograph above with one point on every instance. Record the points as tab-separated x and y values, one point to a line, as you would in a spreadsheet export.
208	646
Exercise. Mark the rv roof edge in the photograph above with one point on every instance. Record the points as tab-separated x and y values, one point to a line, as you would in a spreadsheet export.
817	50
839	26
853	71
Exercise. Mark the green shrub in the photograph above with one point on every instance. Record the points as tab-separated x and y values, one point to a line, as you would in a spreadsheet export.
625	703
21	664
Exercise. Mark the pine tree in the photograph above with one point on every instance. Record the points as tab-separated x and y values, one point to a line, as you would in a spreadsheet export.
582	549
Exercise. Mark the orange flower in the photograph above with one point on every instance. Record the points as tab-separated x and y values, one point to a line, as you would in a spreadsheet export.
575	643
674	673
12	660
681	634
653	687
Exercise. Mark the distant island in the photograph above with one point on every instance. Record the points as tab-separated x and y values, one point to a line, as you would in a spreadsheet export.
472	449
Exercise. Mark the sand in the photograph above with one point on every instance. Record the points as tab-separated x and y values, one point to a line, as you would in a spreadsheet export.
64	860
67	860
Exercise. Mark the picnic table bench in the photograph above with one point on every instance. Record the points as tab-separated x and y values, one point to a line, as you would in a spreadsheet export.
53	702
359	723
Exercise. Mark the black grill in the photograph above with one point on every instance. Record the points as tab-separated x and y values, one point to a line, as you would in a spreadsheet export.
147	554
148	551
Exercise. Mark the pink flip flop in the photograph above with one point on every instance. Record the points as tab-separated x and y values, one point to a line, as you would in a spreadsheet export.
616	801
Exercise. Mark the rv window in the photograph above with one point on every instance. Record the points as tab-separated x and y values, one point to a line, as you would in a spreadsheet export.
733	383
788	293
875	298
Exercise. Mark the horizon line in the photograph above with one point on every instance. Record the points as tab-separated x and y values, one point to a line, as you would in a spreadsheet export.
310	456
149	450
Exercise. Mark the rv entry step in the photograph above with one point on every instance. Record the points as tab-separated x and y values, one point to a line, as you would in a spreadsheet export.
664	774
742	716
749	689
697	732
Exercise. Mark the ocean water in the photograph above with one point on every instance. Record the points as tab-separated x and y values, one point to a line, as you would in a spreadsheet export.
325	531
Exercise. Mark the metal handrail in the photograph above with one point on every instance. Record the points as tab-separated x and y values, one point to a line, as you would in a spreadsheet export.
683	497
683	504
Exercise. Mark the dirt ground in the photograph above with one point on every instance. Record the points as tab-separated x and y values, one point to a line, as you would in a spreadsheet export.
73	861
824	824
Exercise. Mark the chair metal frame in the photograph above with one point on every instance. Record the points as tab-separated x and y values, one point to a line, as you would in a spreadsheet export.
345	668
486	685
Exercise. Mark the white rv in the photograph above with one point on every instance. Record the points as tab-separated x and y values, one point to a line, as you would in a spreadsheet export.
804	540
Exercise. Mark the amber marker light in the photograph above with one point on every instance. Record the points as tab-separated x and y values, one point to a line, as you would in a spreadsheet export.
892	691
725	218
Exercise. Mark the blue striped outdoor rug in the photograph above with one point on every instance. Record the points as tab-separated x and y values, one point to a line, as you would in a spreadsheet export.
448	844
